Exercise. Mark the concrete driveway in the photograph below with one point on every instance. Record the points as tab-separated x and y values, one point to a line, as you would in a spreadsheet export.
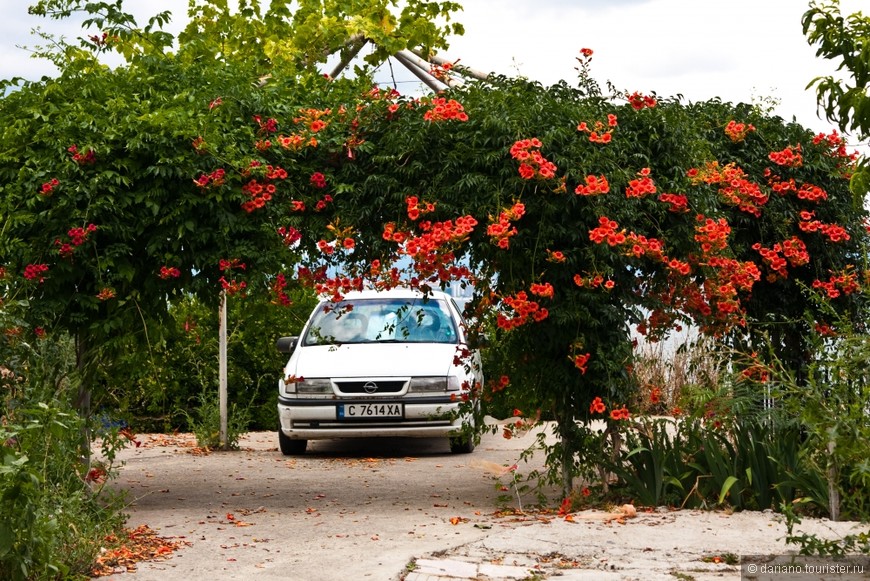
385	510
347	509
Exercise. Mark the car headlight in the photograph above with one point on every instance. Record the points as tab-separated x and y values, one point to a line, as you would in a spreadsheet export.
316	385
428	384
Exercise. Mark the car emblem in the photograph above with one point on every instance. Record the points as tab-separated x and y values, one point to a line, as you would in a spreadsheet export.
370	387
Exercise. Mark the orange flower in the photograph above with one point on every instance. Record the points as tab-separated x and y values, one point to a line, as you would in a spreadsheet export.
580	362
597	406
620	414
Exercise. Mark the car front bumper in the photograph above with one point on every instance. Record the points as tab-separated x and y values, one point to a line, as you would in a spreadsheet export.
313	419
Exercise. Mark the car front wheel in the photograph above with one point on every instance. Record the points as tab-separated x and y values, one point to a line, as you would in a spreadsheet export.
289	446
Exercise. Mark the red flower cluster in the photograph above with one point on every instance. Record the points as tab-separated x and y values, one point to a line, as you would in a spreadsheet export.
679	203
795	251
712	235
594	185
321	203
77	236
444	110
167	272
215	178
593	281
597	406
771	257
639	101
325	247
788	157
48	186
644	185
606	232
226	264
318	180
525	311
233	287
270	125
442	72
415	209
740	192
335	287
740	275
35	271
812	193
501	231
836	146
643	246
86	158
279	295
106	293
503	382
260	193
738	131
824	330
599	133
296	141
807	192
844	283
532	163
556	256
433	250
679	266
734	187
620	414
289	235
544	290
834	232
581	361
312	119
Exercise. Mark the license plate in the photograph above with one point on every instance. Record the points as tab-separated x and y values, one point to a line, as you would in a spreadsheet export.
364	411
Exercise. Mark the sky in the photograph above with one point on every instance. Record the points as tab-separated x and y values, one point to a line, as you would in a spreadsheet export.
740	51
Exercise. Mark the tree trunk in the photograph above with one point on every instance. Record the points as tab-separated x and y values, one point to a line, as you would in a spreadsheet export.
82	402
833	475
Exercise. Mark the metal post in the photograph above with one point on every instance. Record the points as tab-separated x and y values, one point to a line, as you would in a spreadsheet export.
222	369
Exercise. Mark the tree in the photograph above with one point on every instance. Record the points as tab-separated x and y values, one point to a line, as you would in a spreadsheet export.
110	206
576	216
845	39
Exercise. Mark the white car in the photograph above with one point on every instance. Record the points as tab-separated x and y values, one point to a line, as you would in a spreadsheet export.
378	363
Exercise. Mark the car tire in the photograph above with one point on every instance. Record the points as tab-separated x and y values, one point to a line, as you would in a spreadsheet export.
289	446
462	445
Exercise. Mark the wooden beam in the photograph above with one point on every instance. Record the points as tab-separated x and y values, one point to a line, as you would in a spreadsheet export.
354	45
462	69
427	66
420	73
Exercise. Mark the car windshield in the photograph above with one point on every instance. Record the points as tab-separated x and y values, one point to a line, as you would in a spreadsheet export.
377	320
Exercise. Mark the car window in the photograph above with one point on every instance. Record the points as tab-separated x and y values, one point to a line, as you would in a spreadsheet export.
382	320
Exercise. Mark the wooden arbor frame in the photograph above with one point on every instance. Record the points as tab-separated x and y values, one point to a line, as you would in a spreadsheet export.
419	65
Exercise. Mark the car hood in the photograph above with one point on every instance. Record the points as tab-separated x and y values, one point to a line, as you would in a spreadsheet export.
373	360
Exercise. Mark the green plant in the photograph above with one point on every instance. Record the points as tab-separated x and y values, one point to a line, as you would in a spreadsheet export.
812	544
206	424
56	509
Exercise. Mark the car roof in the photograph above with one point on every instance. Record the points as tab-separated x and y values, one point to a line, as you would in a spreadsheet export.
397	293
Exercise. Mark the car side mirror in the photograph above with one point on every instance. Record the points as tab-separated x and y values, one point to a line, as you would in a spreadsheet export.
286	344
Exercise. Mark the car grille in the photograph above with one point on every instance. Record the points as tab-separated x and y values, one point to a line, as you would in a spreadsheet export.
366	387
